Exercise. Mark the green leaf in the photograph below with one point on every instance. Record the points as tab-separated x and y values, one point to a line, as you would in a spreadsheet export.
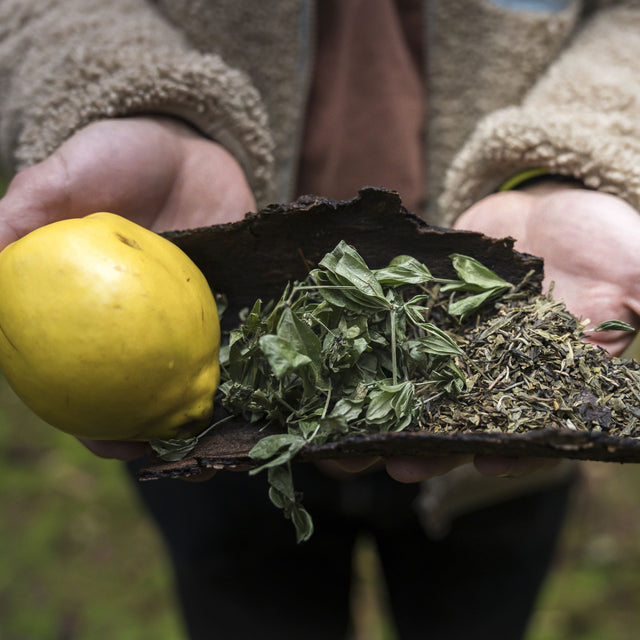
391	405
348	408
300	335
174	449
302	522
438	342
269	446
282	355
278	450
450	378
254	318
281	480
303	339
403	270
345	279
330	427
277	498
465	306
417	306
614	325
475	275
347	263
284	497
343	347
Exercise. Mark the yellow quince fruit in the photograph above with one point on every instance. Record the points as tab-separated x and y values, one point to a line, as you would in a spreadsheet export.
108	331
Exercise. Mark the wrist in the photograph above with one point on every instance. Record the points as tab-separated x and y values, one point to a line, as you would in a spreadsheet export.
549	185
539	181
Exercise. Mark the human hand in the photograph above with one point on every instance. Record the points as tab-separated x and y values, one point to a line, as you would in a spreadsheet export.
589	243
157	172
409	469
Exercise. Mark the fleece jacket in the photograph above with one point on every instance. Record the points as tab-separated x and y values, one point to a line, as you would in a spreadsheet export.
511	85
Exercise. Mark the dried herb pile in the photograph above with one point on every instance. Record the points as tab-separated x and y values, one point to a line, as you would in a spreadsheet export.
348	350
357	350
527	367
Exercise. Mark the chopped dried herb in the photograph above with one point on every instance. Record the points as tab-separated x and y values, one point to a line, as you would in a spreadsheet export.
537	372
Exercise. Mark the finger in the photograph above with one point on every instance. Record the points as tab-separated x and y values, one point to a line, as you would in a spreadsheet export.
202	476
356	465
35	197
344	466
411	469
503	467
498	215
116	449
96	169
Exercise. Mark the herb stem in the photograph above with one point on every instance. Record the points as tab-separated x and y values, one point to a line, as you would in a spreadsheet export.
324	326
317	287
394	361
285	404
326	404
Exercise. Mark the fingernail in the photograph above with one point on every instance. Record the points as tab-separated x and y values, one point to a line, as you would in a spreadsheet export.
495	467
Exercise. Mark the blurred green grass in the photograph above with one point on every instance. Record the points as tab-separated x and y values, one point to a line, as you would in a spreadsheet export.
80	560
594	590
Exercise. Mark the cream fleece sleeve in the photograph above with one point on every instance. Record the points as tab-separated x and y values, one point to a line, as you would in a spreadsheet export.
582	119
66	63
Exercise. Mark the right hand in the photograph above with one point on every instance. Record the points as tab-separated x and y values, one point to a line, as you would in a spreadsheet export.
156	171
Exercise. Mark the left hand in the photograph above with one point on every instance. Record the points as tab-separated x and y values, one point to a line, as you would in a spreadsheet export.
589	242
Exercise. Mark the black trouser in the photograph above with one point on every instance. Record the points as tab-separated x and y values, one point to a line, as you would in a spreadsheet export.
240	574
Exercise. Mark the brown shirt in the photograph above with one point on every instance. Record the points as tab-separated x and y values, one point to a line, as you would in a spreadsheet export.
365	115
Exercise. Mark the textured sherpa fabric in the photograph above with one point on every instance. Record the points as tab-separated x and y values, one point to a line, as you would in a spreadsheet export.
510	85
581	120
481	62
66	63
273	43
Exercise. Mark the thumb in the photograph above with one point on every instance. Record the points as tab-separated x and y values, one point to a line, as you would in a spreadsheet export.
36	196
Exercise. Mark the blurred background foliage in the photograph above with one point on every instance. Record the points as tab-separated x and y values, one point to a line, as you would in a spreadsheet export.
80	560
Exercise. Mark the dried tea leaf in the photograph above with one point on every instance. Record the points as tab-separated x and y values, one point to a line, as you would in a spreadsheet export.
614	325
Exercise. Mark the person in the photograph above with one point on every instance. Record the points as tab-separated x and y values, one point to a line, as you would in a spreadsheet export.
181	114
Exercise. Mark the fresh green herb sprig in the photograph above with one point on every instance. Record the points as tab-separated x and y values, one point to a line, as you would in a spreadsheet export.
348	350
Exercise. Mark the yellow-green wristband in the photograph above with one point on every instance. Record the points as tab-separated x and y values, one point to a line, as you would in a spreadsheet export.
524	176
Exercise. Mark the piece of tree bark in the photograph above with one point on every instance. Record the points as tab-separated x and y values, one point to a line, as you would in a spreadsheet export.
257	257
